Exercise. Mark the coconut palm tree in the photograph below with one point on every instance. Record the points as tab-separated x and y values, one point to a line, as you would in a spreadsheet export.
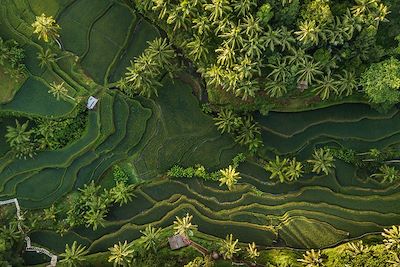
18	134
346	83
50	213
232	36
277	168
364	6
387	174
227	121
247	88
160	51
325	87
251	26
381	13
248	131
226	55
122	193
308	70
202	25
178	19
271	38
229	176
229	247
94	218
243	7
357	248
294	170
308	32
275	89
150	237
246	68
11	233
297	57
74	255
312	258
183	226
214	75
197	48
46	57
252	252
217	9
280	70
46	28
252	48
162	6
392	238
58	90
322	161
286	38
121	254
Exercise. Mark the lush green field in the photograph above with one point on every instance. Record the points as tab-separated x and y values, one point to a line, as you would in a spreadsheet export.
154	134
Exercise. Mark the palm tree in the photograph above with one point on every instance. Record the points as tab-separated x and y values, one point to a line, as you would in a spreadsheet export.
275	89
252	252
325	87
357	248
308	70
227	121
229	247
286	38
183	226
392	238
217	9
277	168
294	170
252	48
150	237
162	7
160	51
95	218
251	26
322	161
18	134
58	90
50	213
229	176
247	88
233	36
214	75
248	131
122	193
346	83
226	55
298	56
74	255
271	38
312	258
364	6
121	254
243	7
46	28
246	68
381	13
308	32
202	25
11	233
178	19
387	174
280	70
46	57
395	261
197	48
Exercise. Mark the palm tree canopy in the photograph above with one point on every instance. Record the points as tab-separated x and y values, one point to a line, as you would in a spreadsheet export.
229	176
229	247
322	161
183	226
74	255
121	254
46	27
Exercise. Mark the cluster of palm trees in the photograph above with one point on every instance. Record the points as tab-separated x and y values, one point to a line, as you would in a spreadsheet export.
143	75
245	129
89	207
229	44
287	170
26	141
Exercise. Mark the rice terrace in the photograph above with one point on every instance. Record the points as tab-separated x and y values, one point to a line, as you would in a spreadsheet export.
200	133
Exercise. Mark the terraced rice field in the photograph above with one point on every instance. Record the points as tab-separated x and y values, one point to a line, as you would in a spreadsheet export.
155	134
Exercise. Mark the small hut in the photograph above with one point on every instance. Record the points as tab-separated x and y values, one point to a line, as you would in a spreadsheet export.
178	241
91	103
